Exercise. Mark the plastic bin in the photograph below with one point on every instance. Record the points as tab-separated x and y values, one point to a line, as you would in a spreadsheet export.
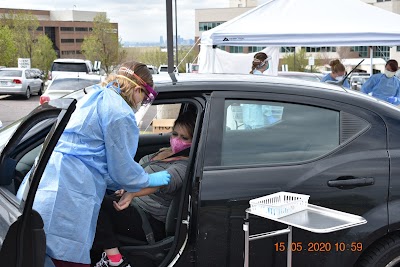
279	204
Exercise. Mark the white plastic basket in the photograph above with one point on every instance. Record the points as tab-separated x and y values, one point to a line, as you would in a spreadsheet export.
279	204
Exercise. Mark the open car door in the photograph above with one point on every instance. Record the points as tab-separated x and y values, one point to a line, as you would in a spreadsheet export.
22	238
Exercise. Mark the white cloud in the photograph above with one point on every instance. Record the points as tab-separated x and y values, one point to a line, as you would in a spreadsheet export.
138	21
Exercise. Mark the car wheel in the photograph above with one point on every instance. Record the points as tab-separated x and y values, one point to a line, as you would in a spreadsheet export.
28	93
40	90
384	253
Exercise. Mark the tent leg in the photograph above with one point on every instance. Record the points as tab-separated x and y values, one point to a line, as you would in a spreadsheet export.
371	53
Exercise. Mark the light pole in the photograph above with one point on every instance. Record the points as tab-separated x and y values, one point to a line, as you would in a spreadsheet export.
176	36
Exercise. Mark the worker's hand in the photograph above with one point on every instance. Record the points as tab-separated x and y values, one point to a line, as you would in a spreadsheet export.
159	178
119	192
392	99
124	201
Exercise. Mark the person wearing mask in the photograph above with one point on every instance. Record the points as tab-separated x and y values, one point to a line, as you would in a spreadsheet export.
338	72
257	116
119	216
260	63
95	152
385	86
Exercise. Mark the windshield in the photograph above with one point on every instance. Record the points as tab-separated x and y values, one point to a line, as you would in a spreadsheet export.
10	73
74	67
72	84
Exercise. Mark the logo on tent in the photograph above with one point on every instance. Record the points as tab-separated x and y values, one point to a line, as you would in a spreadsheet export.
225	39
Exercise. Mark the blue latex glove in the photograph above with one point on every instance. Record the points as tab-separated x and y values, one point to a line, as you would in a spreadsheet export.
392	99
159	178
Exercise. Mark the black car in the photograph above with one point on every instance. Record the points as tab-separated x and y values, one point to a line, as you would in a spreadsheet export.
340	147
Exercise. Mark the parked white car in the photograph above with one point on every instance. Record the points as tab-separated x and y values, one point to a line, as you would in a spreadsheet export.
64	84
19	81
66	65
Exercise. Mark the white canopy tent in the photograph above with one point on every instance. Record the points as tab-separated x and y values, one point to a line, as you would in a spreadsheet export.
302	23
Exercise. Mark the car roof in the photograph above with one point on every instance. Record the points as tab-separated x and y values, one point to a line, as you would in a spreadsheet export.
15	69
70	60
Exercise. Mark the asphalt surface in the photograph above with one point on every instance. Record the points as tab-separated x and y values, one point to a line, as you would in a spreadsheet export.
13	108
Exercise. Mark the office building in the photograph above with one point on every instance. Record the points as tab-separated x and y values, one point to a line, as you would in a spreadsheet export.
66	29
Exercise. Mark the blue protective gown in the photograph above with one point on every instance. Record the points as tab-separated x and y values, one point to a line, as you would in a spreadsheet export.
95	151
328	77
382	87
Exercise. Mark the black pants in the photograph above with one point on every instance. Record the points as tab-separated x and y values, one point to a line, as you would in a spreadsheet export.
126	222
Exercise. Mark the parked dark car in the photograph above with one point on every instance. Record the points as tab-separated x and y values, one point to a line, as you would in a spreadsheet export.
338	146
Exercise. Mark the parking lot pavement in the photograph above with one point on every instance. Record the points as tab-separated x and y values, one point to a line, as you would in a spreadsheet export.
13	108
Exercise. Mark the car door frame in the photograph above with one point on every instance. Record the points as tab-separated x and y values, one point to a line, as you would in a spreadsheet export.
24	243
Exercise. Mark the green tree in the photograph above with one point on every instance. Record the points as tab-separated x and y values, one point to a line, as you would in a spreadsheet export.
103	44
43	54
153	57
299	61
24	27
7	47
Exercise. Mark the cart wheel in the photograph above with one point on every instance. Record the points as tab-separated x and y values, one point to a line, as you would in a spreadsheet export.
384	253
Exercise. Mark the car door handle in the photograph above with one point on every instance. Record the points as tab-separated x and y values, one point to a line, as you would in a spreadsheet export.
351	182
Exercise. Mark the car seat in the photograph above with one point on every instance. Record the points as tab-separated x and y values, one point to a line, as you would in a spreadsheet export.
156	251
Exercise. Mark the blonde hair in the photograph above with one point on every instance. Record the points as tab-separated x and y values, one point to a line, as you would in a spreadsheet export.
259	58
336	66
127	69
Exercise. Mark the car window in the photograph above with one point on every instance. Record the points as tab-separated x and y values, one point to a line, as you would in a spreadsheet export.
163	69
261	132
71	84
74	67
10	73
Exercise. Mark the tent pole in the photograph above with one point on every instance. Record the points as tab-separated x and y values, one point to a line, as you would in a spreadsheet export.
371	52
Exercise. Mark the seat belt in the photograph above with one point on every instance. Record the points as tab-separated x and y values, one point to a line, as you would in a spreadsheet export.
148	231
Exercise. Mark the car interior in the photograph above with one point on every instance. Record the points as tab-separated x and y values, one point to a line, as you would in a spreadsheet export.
141	253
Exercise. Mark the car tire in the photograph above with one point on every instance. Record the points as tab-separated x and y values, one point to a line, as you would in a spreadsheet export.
40	90
28	93
384	253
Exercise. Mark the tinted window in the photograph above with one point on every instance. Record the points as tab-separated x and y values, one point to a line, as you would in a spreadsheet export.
71	84
164	69
261	132
10	73
74	67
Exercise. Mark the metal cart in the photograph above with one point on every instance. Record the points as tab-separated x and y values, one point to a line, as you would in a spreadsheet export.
313	218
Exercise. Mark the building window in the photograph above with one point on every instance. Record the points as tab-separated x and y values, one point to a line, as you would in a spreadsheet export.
68	52
81	29
287	49
383	1
79	40
39	29
67	41
67	29
205	26
253	49
320	49
382	52
398	48
78	52
362	50
222	47
90	29
236	49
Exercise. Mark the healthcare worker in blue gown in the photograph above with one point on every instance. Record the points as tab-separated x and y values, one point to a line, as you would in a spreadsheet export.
337	74
256	115
385	86
95	152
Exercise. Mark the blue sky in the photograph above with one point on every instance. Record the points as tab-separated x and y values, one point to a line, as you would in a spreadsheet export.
138	20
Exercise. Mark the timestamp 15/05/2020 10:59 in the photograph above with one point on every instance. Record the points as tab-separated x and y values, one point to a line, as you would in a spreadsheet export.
320	246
